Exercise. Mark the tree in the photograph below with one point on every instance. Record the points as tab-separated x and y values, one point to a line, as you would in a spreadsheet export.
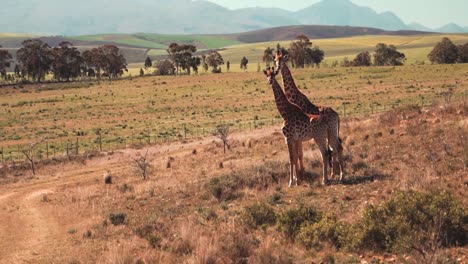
29	154
302	53
204	64
17	71
463	53
243	63
113	61
108	58
314	56
5	61
35	59
194	63
214	59
67	61
268	56
222	132
142	166
387	55
444	52
165	67
148	63
181	56
362	59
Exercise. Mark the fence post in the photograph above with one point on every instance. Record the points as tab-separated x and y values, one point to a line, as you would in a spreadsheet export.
100	142
2	154
67	151
47	149
148	135
76	147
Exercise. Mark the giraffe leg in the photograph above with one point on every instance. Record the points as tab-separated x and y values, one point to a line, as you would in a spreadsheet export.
300	155
292	147
323	147
337	146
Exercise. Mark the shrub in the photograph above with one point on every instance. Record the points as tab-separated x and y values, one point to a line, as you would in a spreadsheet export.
422	221
117	219
259	214
154	240
291	221
225	188
328	229
237	247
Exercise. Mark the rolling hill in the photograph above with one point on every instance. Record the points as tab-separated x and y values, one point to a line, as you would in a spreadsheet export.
182	17
138	46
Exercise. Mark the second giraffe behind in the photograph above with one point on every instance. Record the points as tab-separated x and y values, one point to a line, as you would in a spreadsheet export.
297	128
330	116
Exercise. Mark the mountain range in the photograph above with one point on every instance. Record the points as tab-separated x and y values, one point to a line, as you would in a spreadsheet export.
58	17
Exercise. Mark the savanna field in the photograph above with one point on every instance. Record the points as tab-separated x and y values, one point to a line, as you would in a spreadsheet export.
403	200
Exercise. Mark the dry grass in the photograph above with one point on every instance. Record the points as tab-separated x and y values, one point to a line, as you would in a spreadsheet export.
188	107
174	218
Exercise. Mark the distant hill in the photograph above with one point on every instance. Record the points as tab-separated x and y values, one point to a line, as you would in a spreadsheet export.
58	17
345	13
452	28
159	41
313	32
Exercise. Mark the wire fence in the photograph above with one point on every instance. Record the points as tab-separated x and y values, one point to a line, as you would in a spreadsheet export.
101	142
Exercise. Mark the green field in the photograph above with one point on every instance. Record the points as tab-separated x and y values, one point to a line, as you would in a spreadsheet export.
167	108
161	42
415	48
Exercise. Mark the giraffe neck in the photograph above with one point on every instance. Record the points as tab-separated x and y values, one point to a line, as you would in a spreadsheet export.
288	80
293	94
285	108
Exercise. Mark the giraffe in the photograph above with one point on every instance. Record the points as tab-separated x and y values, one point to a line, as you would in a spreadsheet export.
330	116
298	127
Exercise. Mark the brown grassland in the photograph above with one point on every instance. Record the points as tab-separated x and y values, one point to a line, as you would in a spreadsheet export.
200	205
157	109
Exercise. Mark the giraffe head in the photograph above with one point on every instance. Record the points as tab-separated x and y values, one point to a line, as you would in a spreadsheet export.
282	56
270	73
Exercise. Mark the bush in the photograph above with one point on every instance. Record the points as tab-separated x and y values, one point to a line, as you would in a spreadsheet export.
328	229
259	214
237	247
117	219
423	221
291	221
225	188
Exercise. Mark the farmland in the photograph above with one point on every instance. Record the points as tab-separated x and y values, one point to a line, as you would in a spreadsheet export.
133	110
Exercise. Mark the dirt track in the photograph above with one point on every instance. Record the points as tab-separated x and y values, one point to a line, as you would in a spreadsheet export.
30	232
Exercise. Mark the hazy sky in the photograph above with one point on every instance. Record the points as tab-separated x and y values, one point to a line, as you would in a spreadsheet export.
431	13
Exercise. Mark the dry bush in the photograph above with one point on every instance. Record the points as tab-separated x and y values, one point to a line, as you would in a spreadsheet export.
398	114
185	244
258	214
206	251
266	253
227	187
237	246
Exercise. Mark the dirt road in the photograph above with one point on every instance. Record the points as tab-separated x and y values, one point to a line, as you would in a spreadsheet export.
29	230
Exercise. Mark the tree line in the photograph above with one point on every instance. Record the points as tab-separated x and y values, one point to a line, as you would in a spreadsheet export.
384	55
36	59
181	60
301	53
445	52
